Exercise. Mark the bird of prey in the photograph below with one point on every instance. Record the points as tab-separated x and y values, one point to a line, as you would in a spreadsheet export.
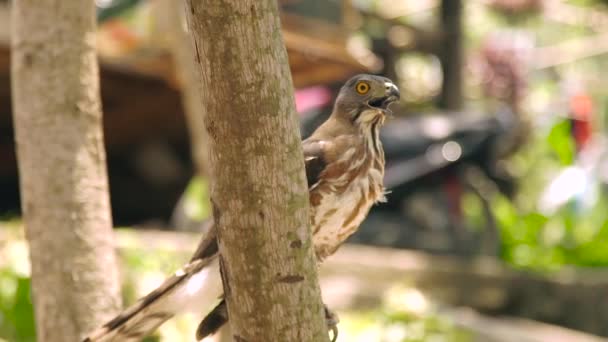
344	168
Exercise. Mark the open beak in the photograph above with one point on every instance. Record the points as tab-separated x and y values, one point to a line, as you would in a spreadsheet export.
392	92
391	95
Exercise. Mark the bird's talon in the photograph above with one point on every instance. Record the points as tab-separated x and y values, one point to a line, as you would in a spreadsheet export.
332	320
334	332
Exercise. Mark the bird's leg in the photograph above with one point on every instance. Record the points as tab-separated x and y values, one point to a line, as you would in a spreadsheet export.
332	320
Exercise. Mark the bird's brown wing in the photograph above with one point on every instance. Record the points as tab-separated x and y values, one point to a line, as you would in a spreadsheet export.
315	160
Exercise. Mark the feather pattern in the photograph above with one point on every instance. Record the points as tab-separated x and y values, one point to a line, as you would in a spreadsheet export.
350	183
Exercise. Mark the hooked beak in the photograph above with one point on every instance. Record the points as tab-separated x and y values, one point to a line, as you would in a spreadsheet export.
391	94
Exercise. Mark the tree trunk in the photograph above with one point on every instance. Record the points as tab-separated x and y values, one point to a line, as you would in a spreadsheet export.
170	20
170	16
63	178
259	190
451	54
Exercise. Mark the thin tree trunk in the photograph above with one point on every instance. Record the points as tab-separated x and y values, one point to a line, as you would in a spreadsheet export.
171	19
451	54
259	190
62	169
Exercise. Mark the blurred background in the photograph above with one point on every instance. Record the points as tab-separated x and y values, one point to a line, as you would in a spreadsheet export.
496	226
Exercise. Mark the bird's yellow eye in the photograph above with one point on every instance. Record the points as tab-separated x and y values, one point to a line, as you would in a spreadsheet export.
362	87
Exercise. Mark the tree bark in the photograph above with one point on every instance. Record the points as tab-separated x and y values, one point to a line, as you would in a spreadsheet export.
259	190
63	178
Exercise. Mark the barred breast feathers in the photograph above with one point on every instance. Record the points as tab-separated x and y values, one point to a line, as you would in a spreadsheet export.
347	188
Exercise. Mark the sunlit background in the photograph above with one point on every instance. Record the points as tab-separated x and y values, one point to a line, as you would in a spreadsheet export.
496	227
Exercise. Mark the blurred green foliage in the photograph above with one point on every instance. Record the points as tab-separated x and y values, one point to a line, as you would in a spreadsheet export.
561	143
576	234
588	2
532	240
142	270
16	312
196	205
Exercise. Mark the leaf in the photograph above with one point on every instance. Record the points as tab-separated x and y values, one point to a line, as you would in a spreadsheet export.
560	140
196	204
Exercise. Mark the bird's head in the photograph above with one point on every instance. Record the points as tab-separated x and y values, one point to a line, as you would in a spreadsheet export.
365	99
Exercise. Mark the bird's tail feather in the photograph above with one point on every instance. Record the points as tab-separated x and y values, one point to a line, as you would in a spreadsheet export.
213	321
196	286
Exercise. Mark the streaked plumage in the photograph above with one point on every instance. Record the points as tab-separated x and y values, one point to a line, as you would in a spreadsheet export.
348	186
344	168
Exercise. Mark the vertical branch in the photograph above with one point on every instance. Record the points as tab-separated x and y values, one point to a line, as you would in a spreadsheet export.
185	65
259	189
62	166
451	54
170	17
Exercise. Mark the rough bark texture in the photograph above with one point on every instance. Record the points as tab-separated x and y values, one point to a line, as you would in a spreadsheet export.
62	169
259	190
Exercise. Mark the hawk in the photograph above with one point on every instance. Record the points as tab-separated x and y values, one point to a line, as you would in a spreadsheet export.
344	168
